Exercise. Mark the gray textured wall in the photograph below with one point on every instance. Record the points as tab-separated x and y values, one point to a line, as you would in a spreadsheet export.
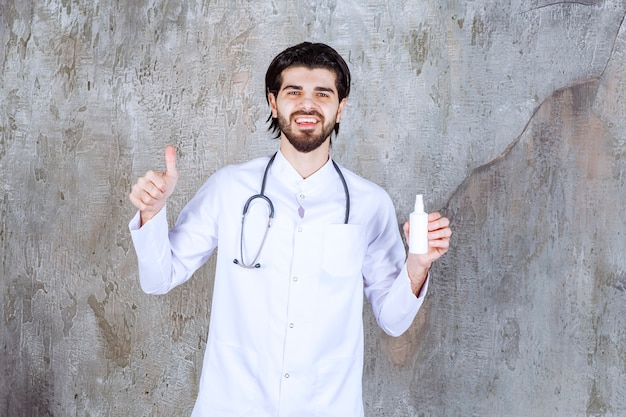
508	115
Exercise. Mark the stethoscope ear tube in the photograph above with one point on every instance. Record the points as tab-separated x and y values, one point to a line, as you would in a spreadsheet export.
345	189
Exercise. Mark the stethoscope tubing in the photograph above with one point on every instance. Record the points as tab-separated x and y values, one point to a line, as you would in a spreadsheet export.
254	264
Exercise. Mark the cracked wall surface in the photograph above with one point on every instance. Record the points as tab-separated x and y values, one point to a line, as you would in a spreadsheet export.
508	116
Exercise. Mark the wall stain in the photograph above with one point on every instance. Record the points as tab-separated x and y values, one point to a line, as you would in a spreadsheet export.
419	43
179	322
596	406
482	33
68	314
20	294
118	343
509	342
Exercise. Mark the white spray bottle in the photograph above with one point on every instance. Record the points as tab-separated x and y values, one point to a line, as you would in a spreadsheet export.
418	234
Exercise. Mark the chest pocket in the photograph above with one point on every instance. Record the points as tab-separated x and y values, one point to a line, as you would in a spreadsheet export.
344	249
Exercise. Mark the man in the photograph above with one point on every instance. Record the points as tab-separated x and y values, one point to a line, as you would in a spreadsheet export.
286	331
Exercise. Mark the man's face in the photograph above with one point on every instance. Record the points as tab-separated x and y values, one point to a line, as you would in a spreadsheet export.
307	107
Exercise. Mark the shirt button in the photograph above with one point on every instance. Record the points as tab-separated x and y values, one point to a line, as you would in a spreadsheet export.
301	196
291	325
295	279
286	375
299	229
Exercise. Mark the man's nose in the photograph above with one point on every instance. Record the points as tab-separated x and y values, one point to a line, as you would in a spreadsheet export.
307	102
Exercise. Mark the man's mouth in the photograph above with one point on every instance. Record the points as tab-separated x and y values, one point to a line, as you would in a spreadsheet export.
306	121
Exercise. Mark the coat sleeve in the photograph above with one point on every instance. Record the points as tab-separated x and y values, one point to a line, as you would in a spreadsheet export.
387	284
167	258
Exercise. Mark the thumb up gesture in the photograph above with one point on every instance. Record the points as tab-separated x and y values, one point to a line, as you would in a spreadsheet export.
150	192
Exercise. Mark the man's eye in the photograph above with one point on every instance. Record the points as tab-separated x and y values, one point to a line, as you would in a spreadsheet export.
322	95
293	93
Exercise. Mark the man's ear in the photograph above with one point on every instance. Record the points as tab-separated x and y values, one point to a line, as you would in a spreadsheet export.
342	104
271	98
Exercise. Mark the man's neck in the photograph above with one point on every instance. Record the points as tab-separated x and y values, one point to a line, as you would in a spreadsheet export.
306	164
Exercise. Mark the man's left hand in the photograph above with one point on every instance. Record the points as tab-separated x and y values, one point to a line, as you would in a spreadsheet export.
439	233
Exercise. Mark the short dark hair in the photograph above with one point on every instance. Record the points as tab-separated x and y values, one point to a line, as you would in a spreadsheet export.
312	56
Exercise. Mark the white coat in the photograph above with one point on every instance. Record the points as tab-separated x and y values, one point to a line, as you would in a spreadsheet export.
285	339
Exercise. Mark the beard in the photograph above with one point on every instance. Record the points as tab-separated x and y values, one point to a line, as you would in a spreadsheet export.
305	141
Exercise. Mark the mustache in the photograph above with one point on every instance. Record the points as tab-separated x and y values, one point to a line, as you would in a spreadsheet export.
307	113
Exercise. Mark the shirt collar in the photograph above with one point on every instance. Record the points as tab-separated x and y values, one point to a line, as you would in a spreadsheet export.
288	175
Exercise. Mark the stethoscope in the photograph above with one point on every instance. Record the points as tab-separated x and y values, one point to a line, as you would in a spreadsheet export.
262	196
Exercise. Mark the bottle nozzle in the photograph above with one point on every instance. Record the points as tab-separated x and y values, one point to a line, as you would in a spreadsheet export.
419	203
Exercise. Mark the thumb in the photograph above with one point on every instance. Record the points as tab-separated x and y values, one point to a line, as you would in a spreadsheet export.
406	228
170	161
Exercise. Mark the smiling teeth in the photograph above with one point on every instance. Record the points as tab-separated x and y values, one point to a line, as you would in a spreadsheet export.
305	120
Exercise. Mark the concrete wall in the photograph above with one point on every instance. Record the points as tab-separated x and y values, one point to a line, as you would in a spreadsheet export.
508	115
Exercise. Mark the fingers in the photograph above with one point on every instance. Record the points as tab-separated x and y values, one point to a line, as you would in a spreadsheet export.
406	228
442	243
439	231
438	227
437	222
151	191
153	183
148	191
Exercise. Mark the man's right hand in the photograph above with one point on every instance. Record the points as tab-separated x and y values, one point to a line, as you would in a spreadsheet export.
150	192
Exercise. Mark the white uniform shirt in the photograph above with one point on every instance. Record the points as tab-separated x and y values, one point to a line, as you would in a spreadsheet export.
285	339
